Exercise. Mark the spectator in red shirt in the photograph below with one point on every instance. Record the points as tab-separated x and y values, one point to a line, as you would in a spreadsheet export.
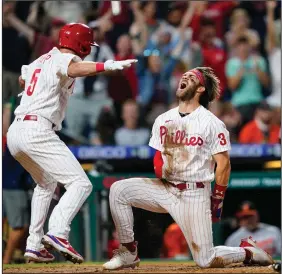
214	55
214	10
125	81
261	129
124	51
174	243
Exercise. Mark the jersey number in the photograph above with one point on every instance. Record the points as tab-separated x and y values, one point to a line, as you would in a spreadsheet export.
223	141
33	82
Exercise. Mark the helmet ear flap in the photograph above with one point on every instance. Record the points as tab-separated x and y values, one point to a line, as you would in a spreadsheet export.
84	49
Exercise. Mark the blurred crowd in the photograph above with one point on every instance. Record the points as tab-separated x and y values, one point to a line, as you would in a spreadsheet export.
240	40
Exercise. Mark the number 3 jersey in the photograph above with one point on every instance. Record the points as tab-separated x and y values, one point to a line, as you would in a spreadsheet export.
47	86
188	143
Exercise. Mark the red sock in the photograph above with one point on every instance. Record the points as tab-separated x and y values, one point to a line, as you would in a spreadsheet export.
130	246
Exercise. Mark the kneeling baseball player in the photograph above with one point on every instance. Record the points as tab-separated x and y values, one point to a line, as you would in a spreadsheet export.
48	82
189	141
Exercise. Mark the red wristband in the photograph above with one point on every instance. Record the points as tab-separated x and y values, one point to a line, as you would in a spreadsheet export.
219	191
100	67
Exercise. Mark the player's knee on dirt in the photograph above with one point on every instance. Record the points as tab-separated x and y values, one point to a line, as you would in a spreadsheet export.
205	261
202	263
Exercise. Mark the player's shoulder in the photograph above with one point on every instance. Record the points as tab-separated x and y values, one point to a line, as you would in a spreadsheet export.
170	114
209	118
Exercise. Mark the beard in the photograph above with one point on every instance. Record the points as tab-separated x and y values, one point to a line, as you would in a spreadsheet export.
186	94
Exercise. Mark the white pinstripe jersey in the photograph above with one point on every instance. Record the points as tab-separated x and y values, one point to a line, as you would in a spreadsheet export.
47	86
188	143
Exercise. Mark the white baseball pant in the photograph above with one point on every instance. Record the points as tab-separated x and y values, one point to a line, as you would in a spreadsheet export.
189	208
40	151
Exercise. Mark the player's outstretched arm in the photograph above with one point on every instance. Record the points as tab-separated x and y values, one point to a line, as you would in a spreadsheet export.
222	175
85	68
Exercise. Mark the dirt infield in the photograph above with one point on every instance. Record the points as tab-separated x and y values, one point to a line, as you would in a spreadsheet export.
156	267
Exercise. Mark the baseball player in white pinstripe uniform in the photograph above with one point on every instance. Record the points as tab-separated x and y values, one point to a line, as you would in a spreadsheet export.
48	82
189	141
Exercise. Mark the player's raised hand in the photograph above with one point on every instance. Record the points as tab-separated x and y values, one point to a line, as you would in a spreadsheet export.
118	65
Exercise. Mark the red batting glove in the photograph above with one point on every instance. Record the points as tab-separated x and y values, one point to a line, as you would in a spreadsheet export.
217	202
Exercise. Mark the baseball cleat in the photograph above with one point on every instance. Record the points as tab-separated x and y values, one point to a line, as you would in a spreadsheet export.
62	246
42	256
122	258
258	256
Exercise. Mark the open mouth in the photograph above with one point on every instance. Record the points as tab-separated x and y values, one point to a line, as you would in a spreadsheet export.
183	85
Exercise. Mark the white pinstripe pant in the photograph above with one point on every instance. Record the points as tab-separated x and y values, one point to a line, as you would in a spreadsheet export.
190	209
40	151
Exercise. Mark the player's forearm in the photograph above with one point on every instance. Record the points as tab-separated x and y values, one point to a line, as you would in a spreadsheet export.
222	173
84	69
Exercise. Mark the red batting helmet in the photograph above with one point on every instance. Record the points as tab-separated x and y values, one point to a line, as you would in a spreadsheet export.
77	37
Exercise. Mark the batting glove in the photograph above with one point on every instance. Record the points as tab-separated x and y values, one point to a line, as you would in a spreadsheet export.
217	202
118	65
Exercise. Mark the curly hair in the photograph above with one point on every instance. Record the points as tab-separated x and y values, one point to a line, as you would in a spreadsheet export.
211	85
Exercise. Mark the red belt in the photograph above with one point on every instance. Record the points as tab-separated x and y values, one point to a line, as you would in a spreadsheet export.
184	186
30	118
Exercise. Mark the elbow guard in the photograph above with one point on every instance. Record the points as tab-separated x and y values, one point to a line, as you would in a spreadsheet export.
158	164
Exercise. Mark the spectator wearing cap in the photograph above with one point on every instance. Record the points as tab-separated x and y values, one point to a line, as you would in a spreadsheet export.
267	237
246	76
90	93
260	130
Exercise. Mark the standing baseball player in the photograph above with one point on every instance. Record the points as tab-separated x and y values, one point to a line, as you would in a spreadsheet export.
48	82
189	141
